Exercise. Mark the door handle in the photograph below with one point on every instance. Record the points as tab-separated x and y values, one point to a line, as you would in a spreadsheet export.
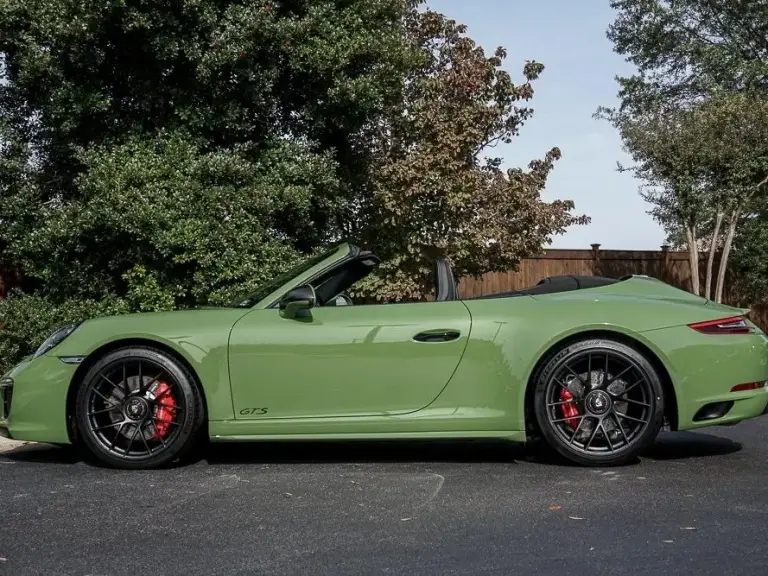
437	336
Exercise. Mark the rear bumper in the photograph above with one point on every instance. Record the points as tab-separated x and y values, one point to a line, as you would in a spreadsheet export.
729	409
704	369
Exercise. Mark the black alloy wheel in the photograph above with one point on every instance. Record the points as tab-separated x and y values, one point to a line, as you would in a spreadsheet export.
599	402
138	408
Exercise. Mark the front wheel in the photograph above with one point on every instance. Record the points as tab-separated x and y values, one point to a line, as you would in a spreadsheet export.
138	408
598	402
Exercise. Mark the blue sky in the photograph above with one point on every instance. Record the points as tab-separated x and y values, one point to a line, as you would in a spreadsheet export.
568	37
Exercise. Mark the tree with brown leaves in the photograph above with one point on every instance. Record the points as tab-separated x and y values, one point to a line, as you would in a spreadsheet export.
438	193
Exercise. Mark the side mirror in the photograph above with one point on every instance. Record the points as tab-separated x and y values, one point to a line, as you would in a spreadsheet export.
301	298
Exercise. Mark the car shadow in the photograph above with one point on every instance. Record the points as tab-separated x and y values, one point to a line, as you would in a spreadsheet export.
685	445
366	452
669	446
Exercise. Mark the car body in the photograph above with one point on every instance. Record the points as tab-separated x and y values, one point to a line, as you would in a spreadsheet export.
289	363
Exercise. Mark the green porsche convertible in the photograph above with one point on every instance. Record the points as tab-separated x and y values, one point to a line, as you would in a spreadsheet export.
593	366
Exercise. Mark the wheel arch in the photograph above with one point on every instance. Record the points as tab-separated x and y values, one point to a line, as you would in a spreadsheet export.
668	388
111	346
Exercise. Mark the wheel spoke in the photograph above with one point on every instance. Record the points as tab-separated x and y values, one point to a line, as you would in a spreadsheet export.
627	389
107	400
125	379
621	428
107	426
574	373
607	437
112	408
592	437
130	443
149	450
172	422
560	403
563	419
636	402
630	417
114	386
160	436
619	375
564	386
117	435
575	432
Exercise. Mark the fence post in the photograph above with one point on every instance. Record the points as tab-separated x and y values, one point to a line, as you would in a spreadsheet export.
664	262
595	259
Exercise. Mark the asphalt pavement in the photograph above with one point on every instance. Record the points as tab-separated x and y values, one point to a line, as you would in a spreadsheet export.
696	503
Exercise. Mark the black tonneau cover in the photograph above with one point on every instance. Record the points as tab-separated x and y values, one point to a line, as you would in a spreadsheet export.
553	284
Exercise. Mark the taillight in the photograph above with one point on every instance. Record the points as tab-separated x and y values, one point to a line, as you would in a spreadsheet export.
732	325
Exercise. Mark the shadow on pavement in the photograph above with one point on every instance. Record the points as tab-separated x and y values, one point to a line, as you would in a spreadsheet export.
684	445
669	446
365	452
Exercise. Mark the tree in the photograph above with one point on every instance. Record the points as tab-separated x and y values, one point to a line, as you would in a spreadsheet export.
168	155
435	194
702	68
665	150
705	168
686	49
158	155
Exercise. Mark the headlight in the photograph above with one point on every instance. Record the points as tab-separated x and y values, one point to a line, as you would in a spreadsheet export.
54	339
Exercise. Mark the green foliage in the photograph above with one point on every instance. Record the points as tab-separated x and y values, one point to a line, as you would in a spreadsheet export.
750	261
28	319
165	220
694	116
156	156
686	49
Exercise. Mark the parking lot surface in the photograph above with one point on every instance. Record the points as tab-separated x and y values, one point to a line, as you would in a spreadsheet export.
696	503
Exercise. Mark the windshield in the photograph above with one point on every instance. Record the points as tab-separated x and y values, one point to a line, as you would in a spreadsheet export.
268	287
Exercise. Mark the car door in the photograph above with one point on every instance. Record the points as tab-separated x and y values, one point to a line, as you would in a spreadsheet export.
342	361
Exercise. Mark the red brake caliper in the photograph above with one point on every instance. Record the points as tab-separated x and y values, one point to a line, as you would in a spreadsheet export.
569	410
166	408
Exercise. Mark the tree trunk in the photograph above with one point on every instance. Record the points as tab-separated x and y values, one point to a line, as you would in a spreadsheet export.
724	257
693	257
711	259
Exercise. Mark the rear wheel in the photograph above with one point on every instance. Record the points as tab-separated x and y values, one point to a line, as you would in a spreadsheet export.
598	402
138	407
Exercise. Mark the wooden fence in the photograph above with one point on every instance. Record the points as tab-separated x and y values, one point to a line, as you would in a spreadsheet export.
667	265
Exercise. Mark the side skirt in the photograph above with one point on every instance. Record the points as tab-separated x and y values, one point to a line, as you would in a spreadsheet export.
219	433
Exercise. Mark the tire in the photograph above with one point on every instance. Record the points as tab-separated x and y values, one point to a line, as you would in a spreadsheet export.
126	419
592	421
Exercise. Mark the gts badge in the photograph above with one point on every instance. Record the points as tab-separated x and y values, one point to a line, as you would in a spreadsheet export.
253	411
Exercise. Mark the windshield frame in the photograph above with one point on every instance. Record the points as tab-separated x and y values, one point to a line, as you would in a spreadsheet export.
285	281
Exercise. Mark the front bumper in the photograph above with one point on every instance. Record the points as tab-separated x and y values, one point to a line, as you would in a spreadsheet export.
33	400
6	399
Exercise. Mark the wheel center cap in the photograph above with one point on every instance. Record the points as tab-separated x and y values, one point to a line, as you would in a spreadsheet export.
598	402
136	408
